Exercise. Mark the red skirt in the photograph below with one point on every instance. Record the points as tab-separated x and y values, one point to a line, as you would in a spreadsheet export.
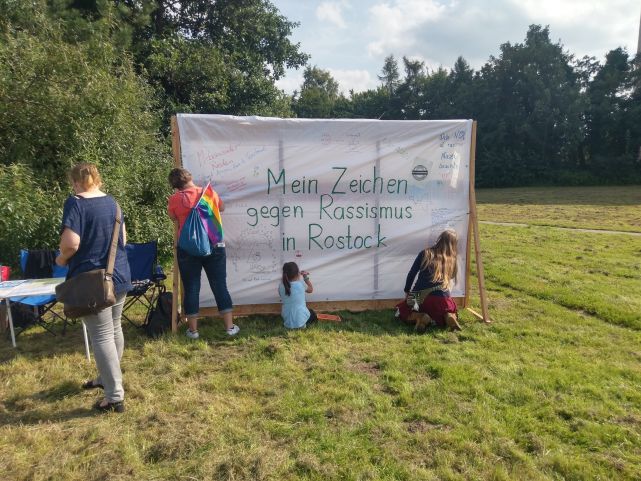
434	306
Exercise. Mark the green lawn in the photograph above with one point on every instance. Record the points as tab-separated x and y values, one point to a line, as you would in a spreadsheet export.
551	390
608	208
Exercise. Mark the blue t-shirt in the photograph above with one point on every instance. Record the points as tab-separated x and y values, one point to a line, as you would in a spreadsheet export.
294	310
93	220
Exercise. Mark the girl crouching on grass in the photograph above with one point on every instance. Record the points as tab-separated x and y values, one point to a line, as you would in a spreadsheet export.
292	291
436	269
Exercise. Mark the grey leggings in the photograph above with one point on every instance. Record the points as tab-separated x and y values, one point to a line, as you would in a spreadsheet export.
108	343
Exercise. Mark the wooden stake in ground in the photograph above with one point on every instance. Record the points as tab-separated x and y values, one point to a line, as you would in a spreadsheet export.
474	224
175	144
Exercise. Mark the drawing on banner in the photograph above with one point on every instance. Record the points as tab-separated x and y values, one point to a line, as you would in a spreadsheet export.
326	139
421	186
453	139
256	249
443	218
448	167
353	142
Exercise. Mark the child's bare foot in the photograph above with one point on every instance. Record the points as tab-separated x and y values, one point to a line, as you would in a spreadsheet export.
451	320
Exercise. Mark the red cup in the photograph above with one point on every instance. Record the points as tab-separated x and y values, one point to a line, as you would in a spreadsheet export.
5	272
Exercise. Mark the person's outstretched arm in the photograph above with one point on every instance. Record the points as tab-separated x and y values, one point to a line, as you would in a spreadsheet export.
411	275
310	287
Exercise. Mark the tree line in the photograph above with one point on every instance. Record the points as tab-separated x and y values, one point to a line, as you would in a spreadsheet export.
543	116
98	80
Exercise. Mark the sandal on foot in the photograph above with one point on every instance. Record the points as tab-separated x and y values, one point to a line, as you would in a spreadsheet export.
118	406
92	385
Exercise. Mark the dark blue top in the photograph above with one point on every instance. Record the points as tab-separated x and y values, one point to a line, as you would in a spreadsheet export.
93	220
425	278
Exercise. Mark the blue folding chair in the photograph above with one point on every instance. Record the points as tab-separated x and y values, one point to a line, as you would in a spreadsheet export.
147	277
38	310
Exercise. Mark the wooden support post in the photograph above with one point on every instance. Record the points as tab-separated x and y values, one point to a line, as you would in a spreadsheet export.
175	144
474	224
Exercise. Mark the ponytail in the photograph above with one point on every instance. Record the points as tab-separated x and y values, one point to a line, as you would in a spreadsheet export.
290	271
86	175
288	286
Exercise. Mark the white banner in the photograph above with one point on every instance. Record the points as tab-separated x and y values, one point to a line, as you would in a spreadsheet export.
351	201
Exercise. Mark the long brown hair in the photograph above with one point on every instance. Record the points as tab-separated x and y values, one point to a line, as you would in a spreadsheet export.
290	271
441	257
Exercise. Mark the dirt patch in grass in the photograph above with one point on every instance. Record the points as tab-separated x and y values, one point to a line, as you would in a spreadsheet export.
367	367
423	426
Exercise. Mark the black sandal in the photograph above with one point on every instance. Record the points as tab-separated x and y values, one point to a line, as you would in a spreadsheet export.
91	385
117	407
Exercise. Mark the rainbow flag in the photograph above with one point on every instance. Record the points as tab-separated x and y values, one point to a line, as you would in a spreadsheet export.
210	214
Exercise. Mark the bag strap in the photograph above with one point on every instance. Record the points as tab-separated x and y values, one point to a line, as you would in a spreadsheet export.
111	260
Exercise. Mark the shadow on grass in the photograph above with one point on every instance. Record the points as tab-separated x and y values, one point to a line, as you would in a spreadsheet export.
373	323
38	344
37	416
603	195
17	410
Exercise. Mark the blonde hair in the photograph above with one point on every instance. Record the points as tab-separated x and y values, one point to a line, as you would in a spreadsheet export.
441	257
86	175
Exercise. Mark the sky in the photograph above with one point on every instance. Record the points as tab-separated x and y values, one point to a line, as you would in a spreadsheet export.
351	38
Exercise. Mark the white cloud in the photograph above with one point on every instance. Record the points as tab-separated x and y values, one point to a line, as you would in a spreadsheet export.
291	82
357	80
392	24
571	12
331	12
585	27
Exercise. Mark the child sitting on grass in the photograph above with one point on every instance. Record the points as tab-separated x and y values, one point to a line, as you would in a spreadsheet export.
292	291
436	269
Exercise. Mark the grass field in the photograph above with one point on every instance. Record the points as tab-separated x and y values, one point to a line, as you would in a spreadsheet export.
551	390
603	208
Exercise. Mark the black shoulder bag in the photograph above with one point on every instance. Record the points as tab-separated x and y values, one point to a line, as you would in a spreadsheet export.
92	291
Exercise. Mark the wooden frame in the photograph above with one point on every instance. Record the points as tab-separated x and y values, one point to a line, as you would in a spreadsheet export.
359	305
474	228
176	297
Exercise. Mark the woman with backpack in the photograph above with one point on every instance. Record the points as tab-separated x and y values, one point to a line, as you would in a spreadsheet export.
180	204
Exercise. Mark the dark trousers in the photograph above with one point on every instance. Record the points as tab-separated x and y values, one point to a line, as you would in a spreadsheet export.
215	266
312	317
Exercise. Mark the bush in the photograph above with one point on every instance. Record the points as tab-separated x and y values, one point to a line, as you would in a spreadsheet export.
63	103
29	214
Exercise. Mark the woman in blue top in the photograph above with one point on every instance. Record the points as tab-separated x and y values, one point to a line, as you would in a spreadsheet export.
88	221
292	291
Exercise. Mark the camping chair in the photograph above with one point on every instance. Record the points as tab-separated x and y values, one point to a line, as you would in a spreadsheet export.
37	310
147	277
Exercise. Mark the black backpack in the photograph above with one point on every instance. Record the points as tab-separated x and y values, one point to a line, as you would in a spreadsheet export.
158	321
23	315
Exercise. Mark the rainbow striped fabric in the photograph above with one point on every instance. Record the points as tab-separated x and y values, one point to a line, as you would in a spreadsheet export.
210	214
